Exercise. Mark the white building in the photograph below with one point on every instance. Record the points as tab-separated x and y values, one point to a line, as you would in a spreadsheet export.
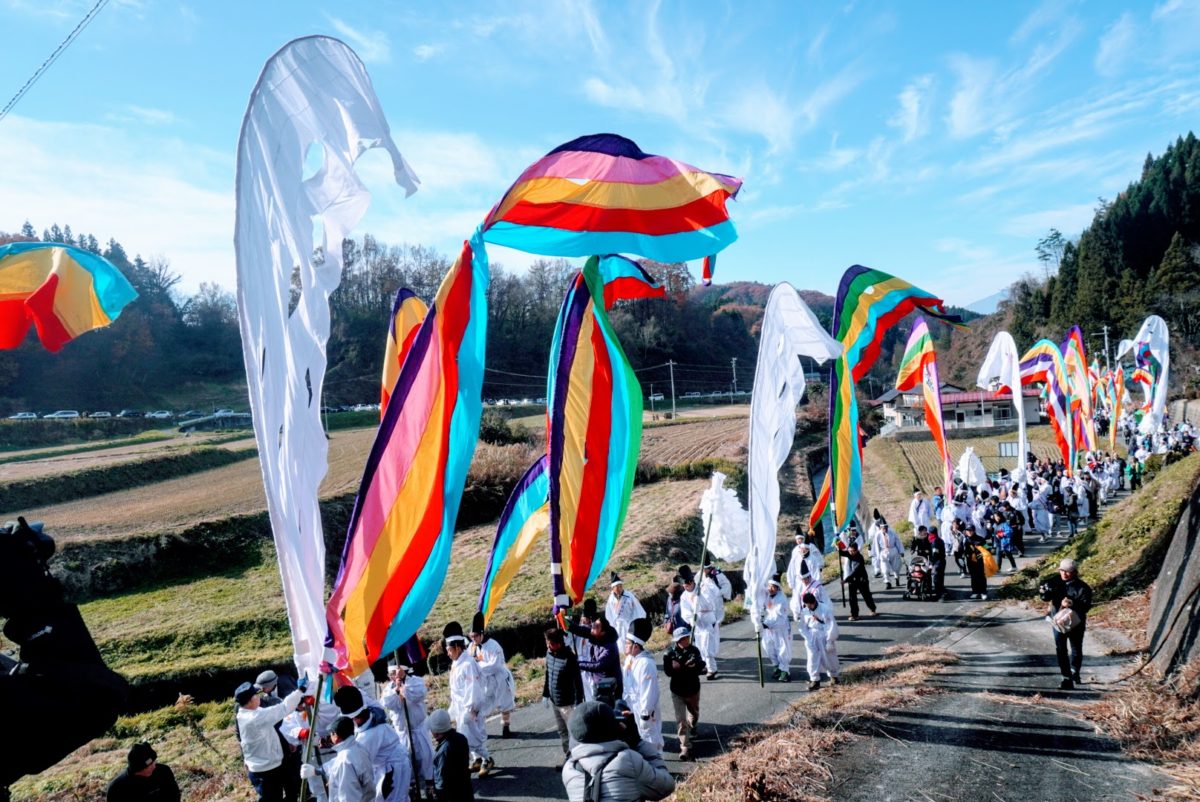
961	409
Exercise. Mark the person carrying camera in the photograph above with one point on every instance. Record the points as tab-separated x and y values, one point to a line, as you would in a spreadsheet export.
1070	600
683	664
610	762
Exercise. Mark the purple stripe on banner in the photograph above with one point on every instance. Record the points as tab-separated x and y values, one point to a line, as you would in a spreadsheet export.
608	144
402	295
575	304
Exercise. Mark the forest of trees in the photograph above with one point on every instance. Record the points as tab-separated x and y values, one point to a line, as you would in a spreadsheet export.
171	347
1138	257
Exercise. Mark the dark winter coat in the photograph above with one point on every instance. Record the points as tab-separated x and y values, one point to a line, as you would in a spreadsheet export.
452	769
563	684
685	680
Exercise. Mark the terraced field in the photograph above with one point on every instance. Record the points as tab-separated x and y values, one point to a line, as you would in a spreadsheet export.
687	442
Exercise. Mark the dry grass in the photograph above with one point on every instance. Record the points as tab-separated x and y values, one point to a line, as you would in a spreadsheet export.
1158	721
1128	616
691	441
786	758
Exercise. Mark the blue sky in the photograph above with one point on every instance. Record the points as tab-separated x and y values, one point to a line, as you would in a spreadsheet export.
936	141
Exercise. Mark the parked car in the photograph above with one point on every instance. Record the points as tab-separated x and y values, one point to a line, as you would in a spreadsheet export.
656	397
129	413
223	412
63	414
691	395
23	416
100	414
160	414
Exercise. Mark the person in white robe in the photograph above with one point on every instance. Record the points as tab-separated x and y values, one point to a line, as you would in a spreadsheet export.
403	699
621	609
699	605
497	679
351	775
468	697
372	731
777	630
640	679
918	511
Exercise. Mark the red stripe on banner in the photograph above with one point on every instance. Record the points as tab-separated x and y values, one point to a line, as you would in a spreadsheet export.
40	304
627	288
595	467
694	216
454	319
14	323
870	353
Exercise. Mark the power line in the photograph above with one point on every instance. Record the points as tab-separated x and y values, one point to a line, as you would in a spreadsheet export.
53	57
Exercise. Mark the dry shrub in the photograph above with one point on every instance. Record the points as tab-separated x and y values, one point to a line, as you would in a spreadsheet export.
1158	720
500	465
786	759
1127	615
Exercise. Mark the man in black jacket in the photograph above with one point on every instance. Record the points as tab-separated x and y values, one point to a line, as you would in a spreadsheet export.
1068	590
451	760
858	581
684	665
144	779
563	684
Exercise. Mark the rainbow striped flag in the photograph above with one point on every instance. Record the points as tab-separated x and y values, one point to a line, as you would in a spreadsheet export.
1083	425
526	516
408	311
594	433
1043	364
61	290
708	269
1117	390
398	542
602	194
919	366
869	302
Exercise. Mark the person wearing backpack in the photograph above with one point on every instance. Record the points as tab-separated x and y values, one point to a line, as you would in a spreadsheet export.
1070	600
602	767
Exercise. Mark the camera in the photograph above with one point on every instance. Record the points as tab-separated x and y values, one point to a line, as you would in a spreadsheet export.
606	691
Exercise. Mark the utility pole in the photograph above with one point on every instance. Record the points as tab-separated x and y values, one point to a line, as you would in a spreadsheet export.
1106	364
671	365
733	361
652	399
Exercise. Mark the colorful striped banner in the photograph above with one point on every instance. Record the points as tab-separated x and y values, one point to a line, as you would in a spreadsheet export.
1043	364
1083	426
398	543
526	516
408	311
869	302
61	290
919	366
602	194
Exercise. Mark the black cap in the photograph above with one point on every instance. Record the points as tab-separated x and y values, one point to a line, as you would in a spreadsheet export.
593	723
686	575
141	755
589	607
244	693
641	628
453	631
349	700
477	623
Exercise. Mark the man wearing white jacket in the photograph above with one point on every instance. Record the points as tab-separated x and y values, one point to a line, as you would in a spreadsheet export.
468	695
820	638
375	736
640	676
351	776
777	630
699	606
404	700
887	552
918	510
621	609
261	748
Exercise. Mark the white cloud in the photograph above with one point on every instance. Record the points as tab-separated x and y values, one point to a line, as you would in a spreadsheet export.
141	115
912	118
424	52
1117	46
372	46
971	111
154	194
1068	219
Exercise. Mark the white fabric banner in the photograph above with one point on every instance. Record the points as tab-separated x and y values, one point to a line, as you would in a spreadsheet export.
726	523
314	91
970	468
1002	365
1154	333
789	330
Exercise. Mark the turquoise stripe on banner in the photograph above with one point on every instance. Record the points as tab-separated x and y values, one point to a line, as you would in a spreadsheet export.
680	247
113	291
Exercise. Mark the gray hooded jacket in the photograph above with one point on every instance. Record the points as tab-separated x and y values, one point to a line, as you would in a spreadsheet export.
626	775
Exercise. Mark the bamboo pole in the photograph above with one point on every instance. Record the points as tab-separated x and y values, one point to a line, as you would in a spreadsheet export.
312	731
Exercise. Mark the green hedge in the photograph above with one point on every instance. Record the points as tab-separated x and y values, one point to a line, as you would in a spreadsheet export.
29	493
17	434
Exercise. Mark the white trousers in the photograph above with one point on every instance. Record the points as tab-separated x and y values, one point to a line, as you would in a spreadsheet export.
707	642
475	730
777	645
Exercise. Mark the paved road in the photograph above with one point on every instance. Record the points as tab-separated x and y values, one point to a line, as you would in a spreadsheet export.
995	656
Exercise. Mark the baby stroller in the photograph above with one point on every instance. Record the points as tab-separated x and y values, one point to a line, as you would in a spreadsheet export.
920	580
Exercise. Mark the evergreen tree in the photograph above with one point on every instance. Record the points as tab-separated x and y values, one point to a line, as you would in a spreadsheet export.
1174	287
27	231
